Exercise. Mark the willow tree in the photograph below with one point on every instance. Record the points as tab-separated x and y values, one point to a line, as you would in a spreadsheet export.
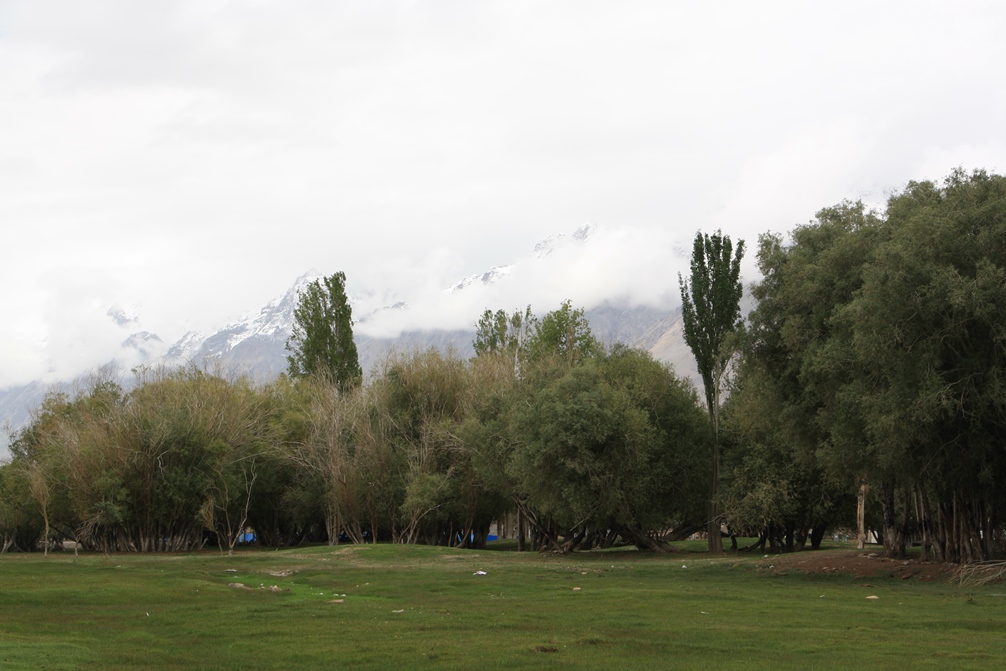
321	343
927	334
710	306
608	449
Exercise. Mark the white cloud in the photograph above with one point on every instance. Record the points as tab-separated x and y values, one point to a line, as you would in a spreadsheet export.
192	157
636	265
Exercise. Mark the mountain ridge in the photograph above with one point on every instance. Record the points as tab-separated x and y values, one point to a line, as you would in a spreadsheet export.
255	344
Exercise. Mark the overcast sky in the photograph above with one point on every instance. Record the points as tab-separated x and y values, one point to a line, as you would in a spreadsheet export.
188	160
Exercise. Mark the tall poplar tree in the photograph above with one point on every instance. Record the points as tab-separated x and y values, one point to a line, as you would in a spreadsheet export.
710	306
321	343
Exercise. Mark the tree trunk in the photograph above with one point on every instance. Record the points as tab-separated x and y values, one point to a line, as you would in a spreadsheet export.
573	540
775	539
953	551
713	526
789	536
925	524
864	489
644	541
816	536
760	543
801	538
905	529
894	542
520	532
682	532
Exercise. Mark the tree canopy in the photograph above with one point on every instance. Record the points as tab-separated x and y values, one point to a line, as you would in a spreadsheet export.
321	343
616	445
880	335
871	375
710	311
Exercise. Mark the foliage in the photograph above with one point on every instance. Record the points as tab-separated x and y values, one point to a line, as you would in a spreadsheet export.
880	339
321	343
562	337
874	361
780	479
610	445
710	311
423	400
710	306
565	334
148	470
500	332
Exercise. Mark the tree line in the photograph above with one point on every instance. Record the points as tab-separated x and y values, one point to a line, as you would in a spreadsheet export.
577	445
865	389
874	367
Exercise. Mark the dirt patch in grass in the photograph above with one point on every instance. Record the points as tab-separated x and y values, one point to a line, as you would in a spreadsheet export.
859	563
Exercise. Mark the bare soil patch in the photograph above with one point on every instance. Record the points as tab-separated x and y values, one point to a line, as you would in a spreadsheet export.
859	563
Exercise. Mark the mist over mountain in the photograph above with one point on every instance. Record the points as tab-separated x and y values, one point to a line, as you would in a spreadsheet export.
627	286
255	345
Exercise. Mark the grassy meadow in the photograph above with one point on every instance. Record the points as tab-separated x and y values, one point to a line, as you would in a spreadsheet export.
413	607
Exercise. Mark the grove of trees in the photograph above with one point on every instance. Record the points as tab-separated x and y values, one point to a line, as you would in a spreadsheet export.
871	370
579	446
875	361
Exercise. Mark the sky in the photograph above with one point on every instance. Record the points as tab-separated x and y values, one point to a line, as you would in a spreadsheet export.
184	162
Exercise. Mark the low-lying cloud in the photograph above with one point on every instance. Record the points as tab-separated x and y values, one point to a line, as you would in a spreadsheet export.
636	266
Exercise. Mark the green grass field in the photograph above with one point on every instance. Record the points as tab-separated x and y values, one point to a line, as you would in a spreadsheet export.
406	607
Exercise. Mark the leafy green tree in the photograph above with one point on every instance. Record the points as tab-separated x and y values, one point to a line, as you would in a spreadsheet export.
145	471
565	335
321	343
19	523
43	450
420	401
774	485
496	386
612	446
879	341
710	307
795	432
498	331
516	355
794	420
927	335
327	454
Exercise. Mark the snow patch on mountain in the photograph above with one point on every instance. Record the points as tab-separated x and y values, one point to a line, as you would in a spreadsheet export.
549	245
147	345
256	343
123	316
397	306
491	276
272	322
185	346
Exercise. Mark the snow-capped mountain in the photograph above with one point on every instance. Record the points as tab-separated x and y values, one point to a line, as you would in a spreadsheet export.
542	250
248	345
549	245
255	345
491	276
123	316
146	345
